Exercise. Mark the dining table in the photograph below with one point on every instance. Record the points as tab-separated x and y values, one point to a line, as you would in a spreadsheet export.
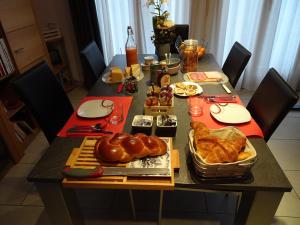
261	190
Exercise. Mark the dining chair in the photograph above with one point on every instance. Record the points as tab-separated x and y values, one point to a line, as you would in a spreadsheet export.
93	63
271	101
45	97
183	31
235	63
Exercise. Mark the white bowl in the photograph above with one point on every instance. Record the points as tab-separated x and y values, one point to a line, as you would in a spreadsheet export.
173	70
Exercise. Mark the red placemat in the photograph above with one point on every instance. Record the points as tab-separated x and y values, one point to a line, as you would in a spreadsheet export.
76	120
249	129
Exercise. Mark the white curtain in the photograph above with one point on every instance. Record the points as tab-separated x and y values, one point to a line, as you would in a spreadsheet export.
270	29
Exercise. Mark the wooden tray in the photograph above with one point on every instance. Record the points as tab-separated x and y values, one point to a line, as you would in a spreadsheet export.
159	109
83	157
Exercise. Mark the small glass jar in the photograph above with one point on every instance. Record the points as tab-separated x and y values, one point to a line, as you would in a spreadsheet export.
189	56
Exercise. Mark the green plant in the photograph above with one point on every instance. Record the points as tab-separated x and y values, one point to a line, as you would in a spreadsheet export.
162	27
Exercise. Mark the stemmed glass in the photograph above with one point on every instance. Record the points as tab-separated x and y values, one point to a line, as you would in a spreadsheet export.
117	115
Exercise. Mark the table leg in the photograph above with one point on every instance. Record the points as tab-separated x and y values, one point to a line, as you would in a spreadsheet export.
132	204
161	198
258	208
60	203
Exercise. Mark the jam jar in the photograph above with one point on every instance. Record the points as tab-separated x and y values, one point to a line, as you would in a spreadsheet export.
189	55
131	84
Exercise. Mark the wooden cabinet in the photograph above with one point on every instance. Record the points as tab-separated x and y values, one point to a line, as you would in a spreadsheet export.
16	14
27	48
23	36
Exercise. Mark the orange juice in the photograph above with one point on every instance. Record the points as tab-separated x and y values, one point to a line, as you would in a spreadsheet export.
131	56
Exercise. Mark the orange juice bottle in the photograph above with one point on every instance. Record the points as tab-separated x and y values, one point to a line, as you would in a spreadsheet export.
131	51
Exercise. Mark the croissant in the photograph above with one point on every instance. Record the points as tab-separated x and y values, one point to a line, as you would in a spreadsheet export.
216	150
123	147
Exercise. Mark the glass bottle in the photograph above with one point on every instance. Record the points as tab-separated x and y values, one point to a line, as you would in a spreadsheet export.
131	51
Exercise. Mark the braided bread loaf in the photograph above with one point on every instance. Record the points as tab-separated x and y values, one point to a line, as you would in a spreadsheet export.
123	147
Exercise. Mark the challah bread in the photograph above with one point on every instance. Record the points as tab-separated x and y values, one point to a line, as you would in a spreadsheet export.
123	147
216	150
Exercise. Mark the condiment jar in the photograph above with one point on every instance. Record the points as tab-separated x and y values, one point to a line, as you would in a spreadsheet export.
163	78
131	84
189	56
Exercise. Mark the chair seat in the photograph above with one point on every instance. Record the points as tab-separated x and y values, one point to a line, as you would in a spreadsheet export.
236	62
93	63
270	103
45	97
181	30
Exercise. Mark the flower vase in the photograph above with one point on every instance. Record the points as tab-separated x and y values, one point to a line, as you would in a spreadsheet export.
161	50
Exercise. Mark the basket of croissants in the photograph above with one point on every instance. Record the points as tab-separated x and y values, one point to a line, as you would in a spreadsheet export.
224	152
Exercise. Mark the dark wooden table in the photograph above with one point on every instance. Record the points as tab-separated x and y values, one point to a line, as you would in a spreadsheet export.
261	191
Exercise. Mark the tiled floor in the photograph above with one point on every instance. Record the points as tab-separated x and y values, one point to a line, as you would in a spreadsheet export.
21	204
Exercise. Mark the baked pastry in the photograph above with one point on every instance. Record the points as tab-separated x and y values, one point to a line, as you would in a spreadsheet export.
123	147
216	150
181	85
190	92
127	71
136	70
179	91
116	74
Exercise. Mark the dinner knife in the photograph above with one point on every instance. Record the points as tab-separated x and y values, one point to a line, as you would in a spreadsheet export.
220	98
83	130
112	171
226	88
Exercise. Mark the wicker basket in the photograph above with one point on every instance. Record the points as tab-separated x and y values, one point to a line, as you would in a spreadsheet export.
213	170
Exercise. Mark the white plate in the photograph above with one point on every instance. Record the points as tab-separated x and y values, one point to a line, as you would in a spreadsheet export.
230	113
95	109
224	79
105	78
199	89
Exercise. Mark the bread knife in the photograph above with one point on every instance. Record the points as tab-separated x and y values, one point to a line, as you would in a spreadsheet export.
113	171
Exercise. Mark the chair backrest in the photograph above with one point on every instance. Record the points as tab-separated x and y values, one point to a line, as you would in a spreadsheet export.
183	31
43	94
93	63
236	62
271	102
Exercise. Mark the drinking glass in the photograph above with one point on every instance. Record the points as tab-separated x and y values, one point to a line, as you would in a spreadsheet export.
117	116
195	106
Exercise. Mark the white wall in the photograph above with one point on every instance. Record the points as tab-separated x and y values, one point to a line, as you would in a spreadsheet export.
58	12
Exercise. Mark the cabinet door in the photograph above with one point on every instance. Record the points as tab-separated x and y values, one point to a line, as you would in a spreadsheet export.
26	45
15	14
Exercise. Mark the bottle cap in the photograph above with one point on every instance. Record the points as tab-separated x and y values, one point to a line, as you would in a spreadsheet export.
129	30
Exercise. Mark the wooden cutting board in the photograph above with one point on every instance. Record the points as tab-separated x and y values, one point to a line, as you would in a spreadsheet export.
83	157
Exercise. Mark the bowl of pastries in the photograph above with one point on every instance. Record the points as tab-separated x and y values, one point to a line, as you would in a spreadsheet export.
224	152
